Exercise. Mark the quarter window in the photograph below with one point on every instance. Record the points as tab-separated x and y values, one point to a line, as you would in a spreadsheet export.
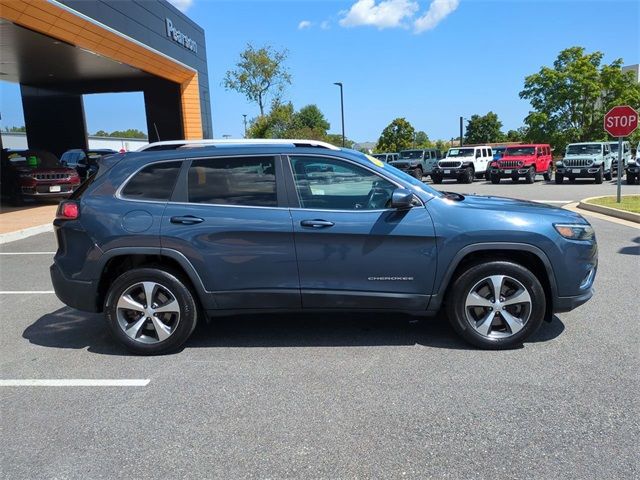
153	182
245	181
330	184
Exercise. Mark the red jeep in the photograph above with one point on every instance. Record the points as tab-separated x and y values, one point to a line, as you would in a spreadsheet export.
523	161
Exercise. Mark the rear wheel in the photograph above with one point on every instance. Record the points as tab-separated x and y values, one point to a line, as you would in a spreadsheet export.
150	311
559	178
548	174
496	305
530	177
599	175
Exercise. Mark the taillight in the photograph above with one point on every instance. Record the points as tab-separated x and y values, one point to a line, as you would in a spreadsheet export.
68	210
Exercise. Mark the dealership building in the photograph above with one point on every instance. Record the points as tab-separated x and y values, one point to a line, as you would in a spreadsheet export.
59	50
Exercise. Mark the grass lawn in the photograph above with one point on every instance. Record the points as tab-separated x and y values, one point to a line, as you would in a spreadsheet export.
630	203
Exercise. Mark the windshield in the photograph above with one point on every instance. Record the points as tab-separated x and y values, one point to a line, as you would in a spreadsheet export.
379	156
584	149
460	152
411	154
519	151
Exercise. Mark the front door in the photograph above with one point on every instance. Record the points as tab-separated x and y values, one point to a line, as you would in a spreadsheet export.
353	250
235	229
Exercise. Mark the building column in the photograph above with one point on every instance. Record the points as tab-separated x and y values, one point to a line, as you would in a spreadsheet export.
163	108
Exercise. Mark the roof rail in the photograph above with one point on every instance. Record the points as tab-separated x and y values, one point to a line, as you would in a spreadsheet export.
176	144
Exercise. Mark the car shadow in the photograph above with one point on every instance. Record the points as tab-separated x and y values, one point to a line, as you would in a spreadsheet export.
633	250
69	328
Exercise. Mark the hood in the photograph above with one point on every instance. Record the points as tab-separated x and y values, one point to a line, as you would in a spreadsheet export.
512	205
593	156
405	161
45	170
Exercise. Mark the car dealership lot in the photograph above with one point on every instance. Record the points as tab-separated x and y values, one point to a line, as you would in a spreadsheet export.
327	396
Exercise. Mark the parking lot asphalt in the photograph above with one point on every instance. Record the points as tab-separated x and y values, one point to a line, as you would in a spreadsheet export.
327	396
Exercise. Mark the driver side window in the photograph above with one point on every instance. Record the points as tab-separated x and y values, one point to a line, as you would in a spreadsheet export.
332	184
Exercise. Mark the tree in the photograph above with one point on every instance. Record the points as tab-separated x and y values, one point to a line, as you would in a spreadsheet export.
421	140
396	136
311	117
14	129
484	129
336	139
569	100
101	133
284	122
518	135
260	73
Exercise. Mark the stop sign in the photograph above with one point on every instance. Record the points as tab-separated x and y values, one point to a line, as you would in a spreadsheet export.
621	121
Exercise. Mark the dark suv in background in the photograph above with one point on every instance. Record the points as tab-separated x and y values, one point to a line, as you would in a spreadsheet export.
159	240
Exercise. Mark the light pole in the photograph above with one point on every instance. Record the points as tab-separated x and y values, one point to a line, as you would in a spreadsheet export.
461	128
341	108
244	115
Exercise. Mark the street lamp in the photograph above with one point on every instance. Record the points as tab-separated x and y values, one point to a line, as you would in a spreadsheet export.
341	108
244	115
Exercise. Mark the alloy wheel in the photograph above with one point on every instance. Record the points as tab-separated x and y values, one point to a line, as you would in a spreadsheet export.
148	312
498	306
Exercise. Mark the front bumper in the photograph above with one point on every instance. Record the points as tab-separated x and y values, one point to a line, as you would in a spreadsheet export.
509	172
578	172
633	169
566	304
451	172
78	294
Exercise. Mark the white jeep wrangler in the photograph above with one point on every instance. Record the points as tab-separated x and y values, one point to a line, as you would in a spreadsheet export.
464	164
585	160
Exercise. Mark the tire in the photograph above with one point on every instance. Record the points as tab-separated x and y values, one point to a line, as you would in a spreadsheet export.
548	174
495	179
530	177
631	179
151	337
468	175
487	175
418	173
437	178
598	176
572	179
559	178
503	331
608	176
17	199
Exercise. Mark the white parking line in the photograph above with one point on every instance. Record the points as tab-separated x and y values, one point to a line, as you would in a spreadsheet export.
74	382
27	253
25	292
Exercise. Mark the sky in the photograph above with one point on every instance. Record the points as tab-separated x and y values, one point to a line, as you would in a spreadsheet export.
428	61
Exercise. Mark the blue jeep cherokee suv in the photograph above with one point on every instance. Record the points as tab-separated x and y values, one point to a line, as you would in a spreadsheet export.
163	238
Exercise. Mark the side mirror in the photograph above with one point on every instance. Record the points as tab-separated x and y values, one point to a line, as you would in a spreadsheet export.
401	198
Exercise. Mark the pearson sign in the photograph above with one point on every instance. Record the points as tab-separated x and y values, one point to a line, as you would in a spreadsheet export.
177	36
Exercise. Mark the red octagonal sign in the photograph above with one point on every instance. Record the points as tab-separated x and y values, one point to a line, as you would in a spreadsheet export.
621	121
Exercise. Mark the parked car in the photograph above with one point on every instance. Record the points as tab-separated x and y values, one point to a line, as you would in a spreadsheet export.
585	160
464	164
85	161
34	174
247	228
627	157
418	162
523	161
386	157
497	152
633	169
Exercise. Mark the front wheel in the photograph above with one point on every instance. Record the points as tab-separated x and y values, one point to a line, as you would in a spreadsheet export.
631	179
608	176
495	179
437	178
531	175
468	175
559	178
496	305
150	311
418	173
598	177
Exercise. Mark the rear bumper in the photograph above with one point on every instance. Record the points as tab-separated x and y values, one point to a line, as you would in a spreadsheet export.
566	304
78	294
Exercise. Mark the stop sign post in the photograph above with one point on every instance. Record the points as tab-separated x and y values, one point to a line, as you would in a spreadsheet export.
620	122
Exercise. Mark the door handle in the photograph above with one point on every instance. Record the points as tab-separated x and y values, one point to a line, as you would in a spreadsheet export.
317	223
187	220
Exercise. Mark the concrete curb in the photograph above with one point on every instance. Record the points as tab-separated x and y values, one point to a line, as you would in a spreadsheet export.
25	232
612	212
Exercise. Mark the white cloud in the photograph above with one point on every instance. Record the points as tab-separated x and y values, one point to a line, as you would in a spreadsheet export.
438	11
385	14
182	5
325	25
304	24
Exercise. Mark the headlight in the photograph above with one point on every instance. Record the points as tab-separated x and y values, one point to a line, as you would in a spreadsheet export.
575	231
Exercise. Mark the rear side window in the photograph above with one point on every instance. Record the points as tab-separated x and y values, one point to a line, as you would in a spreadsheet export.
153	182
245	181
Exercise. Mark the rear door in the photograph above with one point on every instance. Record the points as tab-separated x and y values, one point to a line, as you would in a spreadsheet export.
353	250
230	220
